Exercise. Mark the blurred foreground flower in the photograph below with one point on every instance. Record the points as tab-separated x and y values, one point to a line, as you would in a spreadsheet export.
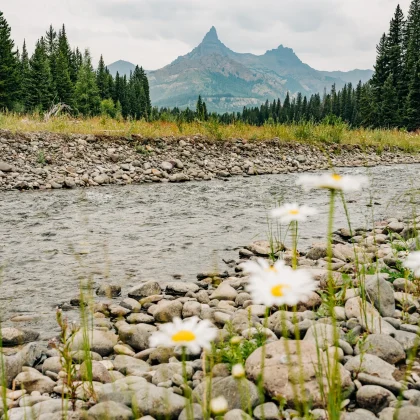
413	263
219	405
238	371
333	181
190	333
292	212
278	284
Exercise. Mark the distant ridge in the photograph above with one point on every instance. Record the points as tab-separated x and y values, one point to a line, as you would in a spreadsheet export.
228	81
122	67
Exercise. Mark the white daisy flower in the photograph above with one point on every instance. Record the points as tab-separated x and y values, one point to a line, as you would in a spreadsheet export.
262	267
292	212
279	284
238	371
333	181
413	263
190	333
219	405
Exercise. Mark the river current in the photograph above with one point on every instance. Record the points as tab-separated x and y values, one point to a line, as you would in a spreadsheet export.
49	240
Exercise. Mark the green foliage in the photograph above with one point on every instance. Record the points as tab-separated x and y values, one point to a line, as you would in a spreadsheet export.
41	157
9	76
86	91
235	349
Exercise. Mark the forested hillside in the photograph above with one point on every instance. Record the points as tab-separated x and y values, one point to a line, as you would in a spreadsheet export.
56	73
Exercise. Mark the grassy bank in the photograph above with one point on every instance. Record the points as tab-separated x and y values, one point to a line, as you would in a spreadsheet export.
303	132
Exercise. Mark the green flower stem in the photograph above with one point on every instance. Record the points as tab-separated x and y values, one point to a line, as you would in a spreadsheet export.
188	406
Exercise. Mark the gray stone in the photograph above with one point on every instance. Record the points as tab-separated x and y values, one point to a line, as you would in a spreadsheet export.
237	414
404	285
372	365
166	371
285	362
110	410
109	290
224	292
408	340
141	290
32	380
15	337
367	316
101	342
323	335
267	411
196	413
317	252
408	412
166	310
383	346
374	398
238	393
127	364
52	364
131	304
181	288
140	318
99	372
158	402
137	336
381	294
5	167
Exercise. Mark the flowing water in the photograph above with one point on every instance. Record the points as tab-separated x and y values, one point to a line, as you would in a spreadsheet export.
49	240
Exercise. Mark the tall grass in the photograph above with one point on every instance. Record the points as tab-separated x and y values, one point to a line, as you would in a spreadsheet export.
302	132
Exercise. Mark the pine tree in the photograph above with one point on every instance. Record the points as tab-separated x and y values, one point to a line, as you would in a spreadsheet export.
395	49
9	76
40	82
412	108
25	71
412	40
102	79
63	83
389	104
86	93
51	45
199	108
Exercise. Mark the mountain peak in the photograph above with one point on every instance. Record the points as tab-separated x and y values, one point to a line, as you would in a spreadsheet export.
211	36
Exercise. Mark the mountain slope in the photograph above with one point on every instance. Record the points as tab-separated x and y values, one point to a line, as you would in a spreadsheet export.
122	67
228	81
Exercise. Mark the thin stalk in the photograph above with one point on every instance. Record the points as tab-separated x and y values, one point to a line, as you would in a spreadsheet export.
188	407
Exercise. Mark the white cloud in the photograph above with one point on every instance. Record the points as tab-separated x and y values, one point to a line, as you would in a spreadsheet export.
326	34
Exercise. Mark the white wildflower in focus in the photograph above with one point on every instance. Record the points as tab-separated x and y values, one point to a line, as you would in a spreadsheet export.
413	263
219	405
278	284
292	212
238	371
333	181
190	333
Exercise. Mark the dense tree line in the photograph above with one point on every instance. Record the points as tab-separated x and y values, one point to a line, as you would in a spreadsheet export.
56	73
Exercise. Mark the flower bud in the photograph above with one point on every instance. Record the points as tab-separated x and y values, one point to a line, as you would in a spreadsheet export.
218	405
238	371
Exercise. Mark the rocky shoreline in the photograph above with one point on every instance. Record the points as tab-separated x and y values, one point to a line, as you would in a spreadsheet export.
53	161
376	343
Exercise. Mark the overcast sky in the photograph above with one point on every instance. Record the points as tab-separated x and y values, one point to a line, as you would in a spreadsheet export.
326	34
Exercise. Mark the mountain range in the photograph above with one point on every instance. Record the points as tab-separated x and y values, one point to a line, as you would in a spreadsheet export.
228	80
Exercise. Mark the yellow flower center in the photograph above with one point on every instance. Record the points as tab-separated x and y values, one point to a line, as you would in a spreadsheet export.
271	269
293	212
278	290
336	177
183	335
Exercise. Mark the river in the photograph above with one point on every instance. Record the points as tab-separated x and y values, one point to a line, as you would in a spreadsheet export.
51	239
